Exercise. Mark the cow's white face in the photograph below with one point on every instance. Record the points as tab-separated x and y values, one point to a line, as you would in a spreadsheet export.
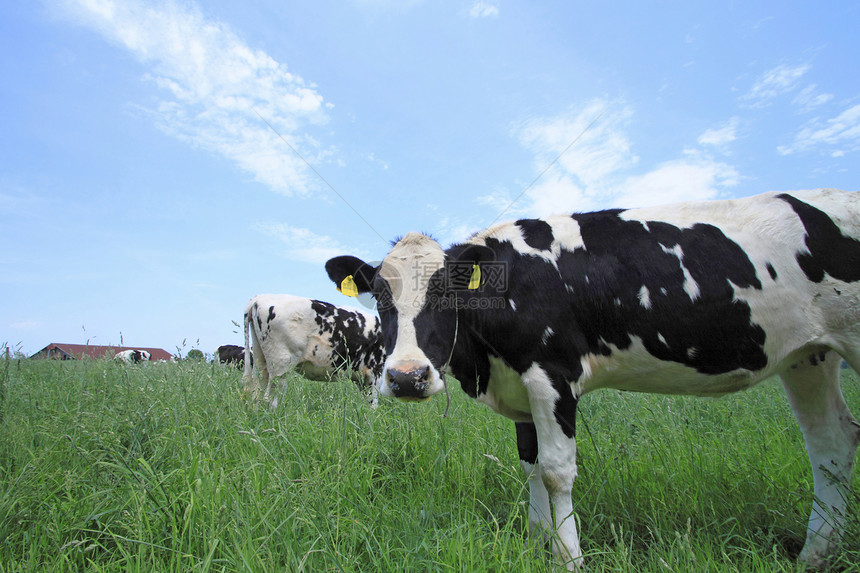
418	288
405	298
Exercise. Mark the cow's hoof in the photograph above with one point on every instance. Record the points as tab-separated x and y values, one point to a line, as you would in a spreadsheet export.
814	560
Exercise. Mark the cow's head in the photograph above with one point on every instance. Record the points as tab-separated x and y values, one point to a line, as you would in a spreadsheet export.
418	288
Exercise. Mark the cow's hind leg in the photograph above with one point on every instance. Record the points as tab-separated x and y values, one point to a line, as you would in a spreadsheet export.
256	380
255	358
832	436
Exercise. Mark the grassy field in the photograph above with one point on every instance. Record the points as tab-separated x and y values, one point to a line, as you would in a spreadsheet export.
164	467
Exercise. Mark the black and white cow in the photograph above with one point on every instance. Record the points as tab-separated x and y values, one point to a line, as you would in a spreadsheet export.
133	356
314	337
232	354
697	298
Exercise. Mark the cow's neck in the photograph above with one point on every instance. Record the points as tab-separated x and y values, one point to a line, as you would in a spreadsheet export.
470	356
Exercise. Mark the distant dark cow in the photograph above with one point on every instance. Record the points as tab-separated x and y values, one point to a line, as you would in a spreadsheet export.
133	356
232	354
697	298
314	337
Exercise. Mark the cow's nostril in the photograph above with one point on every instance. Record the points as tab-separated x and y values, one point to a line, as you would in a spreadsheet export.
394	377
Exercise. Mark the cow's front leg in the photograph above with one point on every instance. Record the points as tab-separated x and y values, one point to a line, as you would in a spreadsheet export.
553	411
540	513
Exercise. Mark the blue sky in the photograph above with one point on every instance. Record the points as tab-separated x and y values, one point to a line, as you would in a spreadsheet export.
162	162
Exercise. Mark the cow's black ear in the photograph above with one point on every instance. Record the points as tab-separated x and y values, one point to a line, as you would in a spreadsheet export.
467	264
339	268
475	254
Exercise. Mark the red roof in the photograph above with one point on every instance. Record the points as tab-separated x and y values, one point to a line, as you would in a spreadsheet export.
77	351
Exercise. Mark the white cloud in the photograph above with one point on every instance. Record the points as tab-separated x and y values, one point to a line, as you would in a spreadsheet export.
808	100
588	143
497	199
302	244
842	131
26	325
595	171
558	192
775	82
721	136
216	85
454	229
692	178
484	9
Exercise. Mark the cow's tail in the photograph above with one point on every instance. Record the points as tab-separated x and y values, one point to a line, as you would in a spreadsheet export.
248	374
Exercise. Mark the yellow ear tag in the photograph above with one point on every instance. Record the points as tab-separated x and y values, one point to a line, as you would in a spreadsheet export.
347	287
475	281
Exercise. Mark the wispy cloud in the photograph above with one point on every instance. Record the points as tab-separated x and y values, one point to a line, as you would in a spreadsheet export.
302	244
26	325
692	177
215	86
484	9
839	134
18	202
808	99
599	145
775	82
720	136
598	171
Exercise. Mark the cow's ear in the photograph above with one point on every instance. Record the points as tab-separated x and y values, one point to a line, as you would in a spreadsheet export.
464	265
339	270
475	254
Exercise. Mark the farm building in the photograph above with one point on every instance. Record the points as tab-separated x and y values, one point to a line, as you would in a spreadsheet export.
77	351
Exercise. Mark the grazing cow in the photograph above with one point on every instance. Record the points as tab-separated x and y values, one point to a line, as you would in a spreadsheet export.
232	354
314	337
701	299
133	356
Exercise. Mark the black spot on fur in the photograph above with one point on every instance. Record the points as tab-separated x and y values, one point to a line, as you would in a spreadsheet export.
351	347
527	442
830	251
621	257
537	233
771	271
387	313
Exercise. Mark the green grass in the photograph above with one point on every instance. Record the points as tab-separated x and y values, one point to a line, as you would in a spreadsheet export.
165	467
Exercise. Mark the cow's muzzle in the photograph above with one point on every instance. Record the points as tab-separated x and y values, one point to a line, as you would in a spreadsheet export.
409	381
